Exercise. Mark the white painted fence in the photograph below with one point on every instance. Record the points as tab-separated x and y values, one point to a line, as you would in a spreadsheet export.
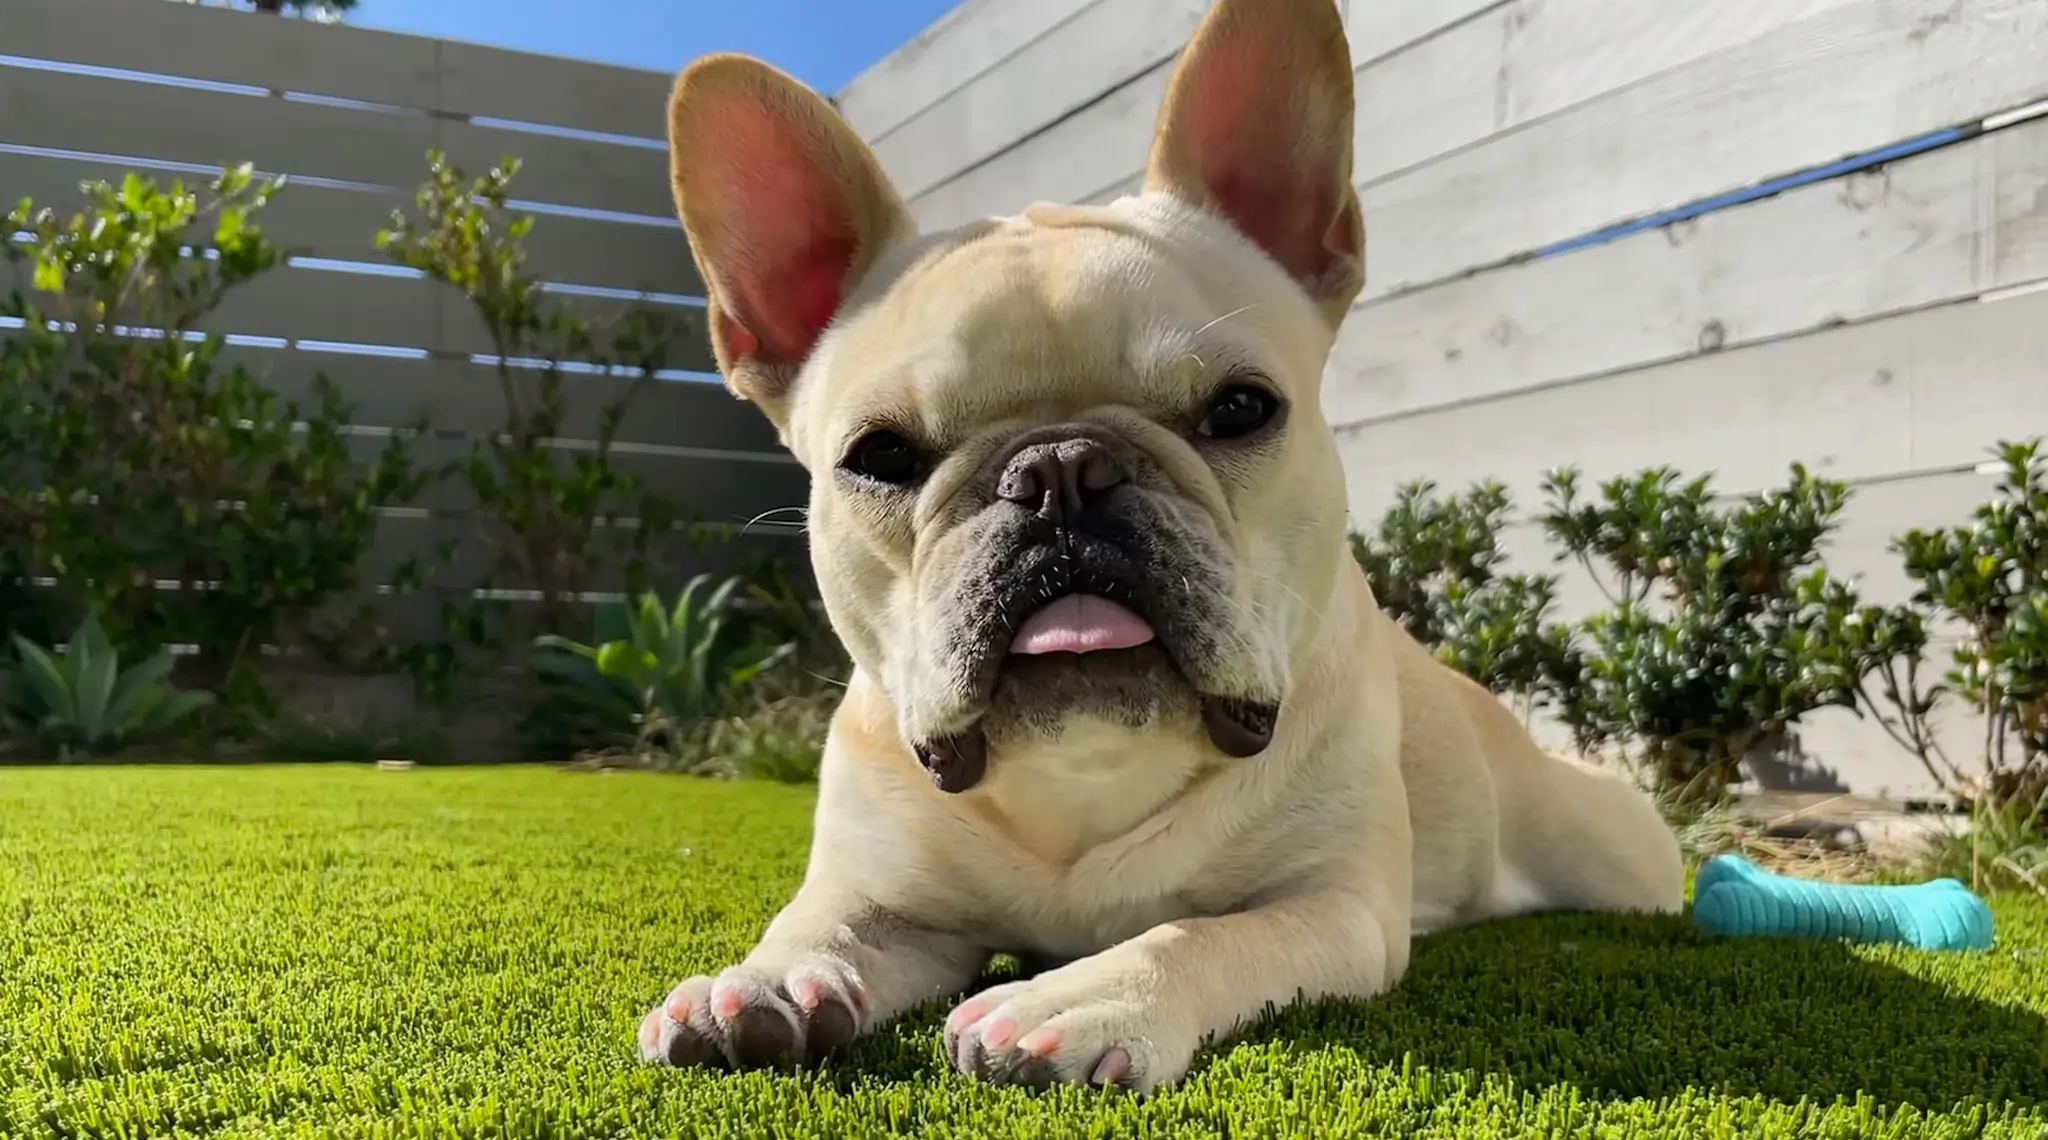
1615	233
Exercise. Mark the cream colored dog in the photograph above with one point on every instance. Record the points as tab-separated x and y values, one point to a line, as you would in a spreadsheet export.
1122	697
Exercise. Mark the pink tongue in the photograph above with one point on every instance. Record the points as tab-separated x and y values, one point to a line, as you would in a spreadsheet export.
1081	623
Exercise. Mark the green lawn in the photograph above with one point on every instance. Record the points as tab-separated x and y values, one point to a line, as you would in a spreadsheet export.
343	952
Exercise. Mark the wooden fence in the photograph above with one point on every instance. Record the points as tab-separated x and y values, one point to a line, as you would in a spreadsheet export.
1616	233
94	88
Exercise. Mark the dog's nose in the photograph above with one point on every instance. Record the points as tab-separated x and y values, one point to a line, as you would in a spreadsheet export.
1058	480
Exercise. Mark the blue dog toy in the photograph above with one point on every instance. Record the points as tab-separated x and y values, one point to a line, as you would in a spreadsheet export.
1731	895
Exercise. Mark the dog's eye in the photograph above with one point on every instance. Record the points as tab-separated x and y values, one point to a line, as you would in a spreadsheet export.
885	457
1237	411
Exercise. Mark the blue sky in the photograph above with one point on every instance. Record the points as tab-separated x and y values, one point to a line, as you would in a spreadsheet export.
822	42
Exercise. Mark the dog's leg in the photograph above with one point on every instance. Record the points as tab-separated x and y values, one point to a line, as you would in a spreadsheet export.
830	967
1134	1015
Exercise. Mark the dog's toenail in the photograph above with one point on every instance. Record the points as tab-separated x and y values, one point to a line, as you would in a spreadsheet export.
727	1003
965	1016
678	1006
1040	1042
1000	1032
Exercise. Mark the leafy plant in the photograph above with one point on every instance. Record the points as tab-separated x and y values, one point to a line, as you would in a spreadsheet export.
2004	848
1991	577
1725	629
1435	565
80	700
779	610
671	668
554	519
780	739
132	453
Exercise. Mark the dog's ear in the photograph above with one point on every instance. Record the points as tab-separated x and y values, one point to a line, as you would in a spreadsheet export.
785	209
1257	127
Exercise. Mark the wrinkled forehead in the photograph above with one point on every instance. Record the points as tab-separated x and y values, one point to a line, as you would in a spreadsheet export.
1058	310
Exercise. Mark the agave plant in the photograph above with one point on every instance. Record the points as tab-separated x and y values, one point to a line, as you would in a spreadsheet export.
80	699
664	668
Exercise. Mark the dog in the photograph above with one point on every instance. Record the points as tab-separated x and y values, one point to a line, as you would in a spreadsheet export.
1122	699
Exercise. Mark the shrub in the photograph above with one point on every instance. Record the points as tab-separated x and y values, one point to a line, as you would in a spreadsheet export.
130	451
1725	629
1435	566
764	737
553	519
655	673
2004	848
1990	577
80	701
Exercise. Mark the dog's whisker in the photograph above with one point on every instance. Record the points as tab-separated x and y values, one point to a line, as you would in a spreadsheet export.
801	511
1239	311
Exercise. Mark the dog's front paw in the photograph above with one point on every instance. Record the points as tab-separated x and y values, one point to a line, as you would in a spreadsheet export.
751	1017
1091	1022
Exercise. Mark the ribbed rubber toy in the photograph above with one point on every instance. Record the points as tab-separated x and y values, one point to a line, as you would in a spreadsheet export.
1733	896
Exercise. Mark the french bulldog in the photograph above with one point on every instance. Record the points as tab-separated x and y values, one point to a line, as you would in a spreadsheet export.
1122	699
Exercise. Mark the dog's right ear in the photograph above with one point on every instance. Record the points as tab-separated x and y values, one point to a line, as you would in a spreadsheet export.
785	209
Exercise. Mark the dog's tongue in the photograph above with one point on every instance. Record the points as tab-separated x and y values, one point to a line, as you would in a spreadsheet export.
1081	623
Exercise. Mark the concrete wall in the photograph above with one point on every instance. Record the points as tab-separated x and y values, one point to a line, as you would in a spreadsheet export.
1614	233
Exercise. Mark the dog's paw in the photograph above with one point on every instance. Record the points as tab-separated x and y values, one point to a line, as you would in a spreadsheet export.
751	1017
1085	1023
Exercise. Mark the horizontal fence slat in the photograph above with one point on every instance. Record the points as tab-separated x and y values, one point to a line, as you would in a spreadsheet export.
351	308
676	556
1380	27
461	396
1860	76
71	111
339	61
964	43
1922	231
1065	161
1065	69
463	330
554	91
762	491
467	397
715	489
342	224
1923	391
1527	59
297	303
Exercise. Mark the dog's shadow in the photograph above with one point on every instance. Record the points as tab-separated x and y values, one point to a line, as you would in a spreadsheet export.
1624	1008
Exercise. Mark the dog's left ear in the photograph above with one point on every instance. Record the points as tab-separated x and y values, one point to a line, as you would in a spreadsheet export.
1257	127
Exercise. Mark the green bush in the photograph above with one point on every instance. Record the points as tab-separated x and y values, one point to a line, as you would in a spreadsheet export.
1991	578
654	673
79	701
1434	563
1725	629
131	452
552	519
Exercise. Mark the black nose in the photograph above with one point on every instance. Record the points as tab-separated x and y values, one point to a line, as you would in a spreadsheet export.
1058	480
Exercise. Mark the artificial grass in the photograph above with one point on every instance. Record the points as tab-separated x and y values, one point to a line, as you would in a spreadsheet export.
347	952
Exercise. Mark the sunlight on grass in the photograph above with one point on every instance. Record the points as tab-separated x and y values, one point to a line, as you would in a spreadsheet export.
465	953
